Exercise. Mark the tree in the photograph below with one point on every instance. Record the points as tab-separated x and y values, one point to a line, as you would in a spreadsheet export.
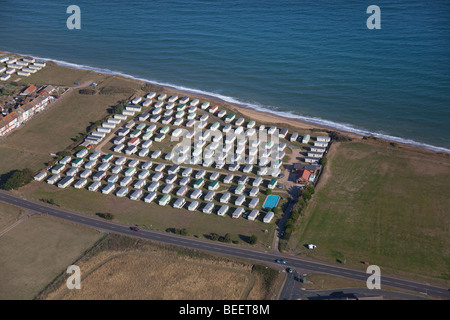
16	179
253	239
227	238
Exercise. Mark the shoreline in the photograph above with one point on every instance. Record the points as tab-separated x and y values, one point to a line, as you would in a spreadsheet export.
260	113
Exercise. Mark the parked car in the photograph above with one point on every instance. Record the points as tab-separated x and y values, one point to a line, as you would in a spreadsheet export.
280	261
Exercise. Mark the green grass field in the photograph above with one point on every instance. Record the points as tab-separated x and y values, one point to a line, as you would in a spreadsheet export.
36	251
382	205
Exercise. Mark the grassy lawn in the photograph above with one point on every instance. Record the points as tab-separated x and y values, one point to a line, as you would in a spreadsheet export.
36	251
151	215
9	214
382	205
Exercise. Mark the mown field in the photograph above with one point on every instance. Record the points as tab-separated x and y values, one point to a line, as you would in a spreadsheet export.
382	205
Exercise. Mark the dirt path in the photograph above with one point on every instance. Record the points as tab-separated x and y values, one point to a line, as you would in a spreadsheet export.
15	224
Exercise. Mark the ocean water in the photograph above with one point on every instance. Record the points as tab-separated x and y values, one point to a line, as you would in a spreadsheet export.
314	60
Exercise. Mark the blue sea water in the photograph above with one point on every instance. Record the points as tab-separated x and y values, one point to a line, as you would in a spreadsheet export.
314	60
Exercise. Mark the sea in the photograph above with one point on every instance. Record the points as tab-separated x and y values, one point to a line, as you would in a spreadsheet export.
318	61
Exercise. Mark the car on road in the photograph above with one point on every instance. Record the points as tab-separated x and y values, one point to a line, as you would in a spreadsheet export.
311	246
290	270
134	228
280	261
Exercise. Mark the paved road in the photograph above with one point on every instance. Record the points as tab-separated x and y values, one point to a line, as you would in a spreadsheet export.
219	248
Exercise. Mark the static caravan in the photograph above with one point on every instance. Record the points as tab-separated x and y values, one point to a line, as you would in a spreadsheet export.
323	139
253	215
94	186
251	124
193	205
150	197
254	192
276	172
147	103
184	181
272	184
133	163
187	172
230	117
153	186
239	189
53	179
294	137
205	105
228	178
194	102
223	210
171	178
125	181
104	166
257	181
140	184
172	98
130	172
103	130
72	172
199	183
184	100
240	200
108	188
122	192
214	176
120	161
146	165
248	168
168	188
80	183
113	178
237	212
155	118
272	130
98	176
166	120
147	144
283	133
58	168
225	197
123	132
318	149
77	162
181	107
144	174
210	196
162	97
239	121
65	160
143	152
86	173
136	195
131	150
182	191
268	217
179	203
243	180
82	153
165	199
312	154
169	156
155	154
253	203
65	182
196	194
40	176
306	138
116	169
208	208
150	95
200	174
312	160
320	144
214	185
160	137
157	176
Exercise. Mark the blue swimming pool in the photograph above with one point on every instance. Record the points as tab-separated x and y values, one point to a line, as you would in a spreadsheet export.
271	202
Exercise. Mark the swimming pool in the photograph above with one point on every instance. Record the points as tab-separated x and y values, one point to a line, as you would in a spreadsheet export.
271	202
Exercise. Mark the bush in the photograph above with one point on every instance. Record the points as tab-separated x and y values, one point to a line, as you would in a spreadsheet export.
253	239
